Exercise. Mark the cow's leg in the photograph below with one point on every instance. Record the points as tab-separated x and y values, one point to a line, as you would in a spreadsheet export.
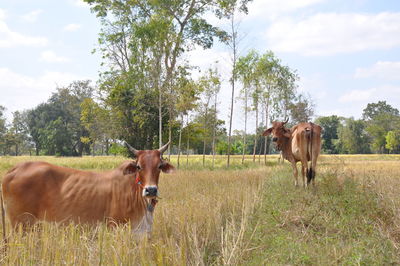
313	165
295	174
304	166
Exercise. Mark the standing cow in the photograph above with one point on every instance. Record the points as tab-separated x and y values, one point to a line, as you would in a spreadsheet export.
128	194
300	143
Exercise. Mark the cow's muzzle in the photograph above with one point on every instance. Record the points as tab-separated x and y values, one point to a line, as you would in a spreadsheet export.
275	139
150	191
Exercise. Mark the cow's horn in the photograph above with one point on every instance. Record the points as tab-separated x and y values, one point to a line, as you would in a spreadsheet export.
132	149
163	148
287	120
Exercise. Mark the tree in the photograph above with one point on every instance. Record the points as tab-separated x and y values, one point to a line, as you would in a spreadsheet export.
209	84
245	69
19	131
3	128
330	125
353	138
393	141
186	100
55	126
96	121
380	118
374	110
136	33
302	109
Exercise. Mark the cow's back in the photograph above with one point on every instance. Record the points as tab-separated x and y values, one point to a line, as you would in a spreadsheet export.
306	140
31	189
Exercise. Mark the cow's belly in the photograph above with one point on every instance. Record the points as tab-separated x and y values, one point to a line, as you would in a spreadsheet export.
296	153
296	149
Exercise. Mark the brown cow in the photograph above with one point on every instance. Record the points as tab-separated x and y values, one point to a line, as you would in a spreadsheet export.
300	143
41	191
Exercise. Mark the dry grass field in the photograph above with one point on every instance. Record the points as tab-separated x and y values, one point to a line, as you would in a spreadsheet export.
250	214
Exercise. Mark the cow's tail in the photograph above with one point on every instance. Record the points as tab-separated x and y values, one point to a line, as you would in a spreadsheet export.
310	170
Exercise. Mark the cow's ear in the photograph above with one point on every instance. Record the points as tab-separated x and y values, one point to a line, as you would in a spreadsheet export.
167	167
129	168
267	132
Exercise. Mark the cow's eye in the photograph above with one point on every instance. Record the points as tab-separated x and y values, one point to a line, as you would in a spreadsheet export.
138	167
160	166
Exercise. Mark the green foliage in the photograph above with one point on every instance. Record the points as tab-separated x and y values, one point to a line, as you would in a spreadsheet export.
380	118
393	141
117	149
55	126
353	138
330	126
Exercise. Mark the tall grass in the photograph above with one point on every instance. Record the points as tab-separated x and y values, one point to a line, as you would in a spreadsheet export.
250	214
200	220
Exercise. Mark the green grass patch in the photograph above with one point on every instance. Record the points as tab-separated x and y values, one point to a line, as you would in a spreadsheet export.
340	221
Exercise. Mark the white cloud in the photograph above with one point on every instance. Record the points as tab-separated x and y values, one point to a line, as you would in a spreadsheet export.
386	92
51	57
79	3
72	27
32	16
381	69
2	14
9	38
333	33
272	9
20	92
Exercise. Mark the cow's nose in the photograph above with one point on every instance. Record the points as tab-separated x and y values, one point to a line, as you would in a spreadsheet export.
150	191
275	139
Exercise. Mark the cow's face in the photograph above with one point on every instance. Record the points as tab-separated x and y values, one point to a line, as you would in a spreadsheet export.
279	133
149	164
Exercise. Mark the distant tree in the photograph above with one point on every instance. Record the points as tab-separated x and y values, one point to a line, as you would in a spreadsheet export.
3	128
55	126
380	118
374	110
245	69
97	122
330	125
353	138
393	141
20	131
302	109
187	97
209	85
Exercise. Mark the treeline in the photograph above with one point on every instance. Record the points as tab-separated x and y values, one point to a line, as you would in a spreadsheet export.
377	132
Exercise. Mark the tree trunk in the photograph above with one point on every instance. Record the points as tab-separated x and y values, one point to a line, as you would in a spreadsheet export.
107	146
260	151
169	136
180	141
233	78
187	152
93	148
266	125
256	135
245	125
214	130
160	118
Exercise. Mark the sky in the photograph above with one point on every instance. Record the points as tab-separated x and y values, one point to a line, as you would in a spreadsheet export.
347	53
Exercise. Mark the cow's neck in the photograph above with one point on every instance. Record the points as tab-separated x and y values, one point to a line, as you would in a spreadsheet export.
286	148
